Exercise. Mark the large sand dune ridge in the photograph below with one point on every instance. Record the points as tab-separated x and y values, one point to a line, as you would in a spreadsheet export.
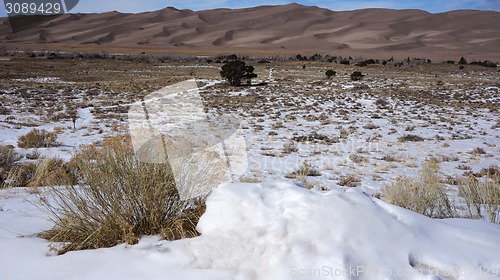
274	29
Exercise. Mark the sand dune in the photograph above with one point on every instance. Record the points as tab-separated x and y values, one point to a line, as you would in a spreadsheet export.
274	29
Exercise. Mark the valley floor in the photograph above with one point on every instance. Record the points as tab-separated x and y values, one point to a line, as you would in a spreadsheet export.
357	137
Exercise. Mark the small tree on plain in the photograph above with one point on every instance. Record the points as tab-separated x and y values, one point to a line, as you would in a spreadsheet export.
235	71
330	73
249	75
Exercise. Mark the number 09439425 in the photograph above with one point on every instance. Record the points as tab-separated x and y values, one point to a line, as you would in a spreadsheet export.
31	8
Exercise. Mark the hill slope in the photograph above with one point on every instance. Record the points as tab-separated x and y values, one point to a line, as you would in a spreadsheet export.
274	29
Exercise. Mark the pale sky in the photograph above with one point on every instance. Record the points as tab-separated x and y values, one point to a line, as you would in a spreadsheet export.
135	6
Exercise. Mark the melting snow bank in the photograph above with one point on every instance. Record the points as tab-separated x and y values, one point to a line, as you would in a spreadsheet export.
268	231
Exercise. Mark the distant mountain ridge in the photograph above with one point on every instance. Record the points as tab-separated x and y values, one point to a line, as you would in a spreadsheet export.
273	29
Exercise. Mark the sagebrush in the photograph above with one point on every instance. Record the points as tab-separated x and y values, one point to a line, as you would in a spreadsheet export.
482	197
37	139
424	194
118	199
8	158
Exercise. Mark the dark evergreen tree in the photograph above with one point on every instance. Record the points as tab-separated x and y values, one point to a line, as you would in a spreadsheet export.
235	71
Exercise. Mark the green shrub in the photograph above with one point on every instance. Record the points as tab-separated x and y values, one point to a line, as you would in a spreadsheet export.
119	200
37	139
330	73
356	76
235	71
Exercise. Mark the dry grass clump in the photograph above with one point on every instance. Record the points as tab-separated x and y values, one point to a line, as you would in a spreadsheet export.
45	172
305	170
22	175
37	139
51	172
290	147
410	138
34	155
8	157
371	126
350	181
357	158
390	158
424	194
482	197
118	200
478	151
492	172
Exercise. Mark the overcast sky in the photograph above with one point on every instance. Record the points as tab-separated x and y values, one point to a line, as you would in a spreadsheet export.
136	6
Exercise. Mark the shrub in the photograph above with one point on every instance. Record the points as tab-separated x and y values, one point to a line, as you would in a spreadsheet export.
478	151
45	172
50	172
22	175
357	158
356	76
410	138
8	157
485	63
35	154
330	73
390	158
380	102
350	181
235	71
290	147
493	172
424	194
120	199
482	197
37	139
304	170
371	126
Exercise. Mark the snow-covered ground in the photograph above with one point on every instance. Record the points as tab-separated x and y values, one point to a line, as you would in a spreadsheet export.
266	231
354	128
281	230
